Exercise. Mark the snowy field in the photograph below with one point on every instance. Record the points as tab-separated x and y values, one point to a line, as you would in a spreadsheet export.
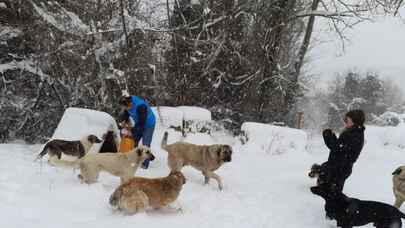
261	188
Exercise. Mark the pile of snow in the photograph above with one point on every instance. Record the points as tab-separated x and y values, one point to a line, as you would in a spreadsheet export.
387	136
274	139
174	116
168	116
76	123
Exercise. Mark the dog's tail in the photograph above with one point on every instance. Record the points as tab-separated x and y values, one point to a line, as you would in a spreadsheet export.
114	198
163	144
43	152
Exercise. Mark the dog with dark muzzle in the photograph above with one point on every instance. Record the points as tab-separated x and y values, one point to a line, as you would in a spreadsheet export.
78	148
205	158
349	212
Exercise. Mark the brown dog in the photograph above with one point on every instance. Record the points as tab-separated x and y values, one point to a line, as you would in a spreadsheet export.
206	158
139	193
123	165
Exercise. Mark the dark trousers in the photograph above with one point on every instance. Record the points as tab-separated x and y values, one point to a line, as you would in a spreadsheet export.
146	137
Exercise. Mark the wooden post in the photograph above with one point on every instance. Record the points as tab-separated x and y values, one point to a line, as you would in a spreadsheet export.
300	120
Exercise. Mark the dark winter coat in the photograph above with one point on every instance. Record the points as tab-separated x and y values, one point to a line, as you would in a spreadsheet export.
344	150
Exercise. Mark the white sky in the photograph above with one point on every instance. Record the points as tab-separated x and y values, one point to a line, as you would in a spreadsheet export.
374	46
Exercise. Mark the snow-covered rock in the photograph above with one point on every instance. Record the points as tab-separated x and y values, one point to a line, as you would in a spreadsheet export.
78	122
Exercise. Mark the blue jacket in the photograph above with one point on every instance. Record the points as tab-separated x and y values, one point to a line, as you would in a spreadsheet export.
134	112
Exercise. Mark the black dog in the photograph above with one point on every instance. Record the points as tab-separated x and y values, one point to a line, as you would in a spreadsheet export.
109	145
77	148
319	172
349	212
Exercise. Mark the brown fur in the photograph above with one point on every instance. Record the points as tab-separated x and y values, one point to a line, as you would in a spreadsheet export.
206	158
140	193
398	180
123	165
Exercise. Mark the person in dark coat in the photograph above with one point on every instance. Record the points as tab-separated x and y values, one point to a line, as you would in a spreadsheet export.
144	118
344	150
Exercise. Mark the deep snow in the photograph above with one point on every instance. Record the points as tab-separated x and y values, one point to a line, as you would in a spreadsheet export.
260	189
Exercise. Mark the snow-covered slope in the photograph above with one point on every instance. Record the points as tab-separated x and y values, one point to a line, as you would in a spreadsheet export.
261	189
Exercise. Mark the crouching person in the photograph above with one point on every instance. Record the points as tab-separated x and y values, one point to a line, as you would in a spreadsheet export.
140	111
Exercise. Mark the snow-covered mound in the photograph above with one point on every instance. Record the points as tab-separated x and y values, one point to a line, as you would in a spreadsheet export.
274	139
387	136
78	122
173	116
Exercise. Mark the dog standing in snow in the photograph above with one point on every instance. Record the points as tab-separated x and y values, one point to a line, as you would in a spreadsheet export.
206	158
140	193
123	165
78	148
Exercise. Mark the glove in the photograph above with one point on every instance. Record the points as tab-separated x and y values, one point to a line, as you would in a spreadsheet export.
327	132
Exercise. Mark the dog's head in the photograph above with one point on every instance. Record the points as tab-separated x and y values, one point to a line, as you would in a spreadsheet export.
224	152
144	153
178	177
93	139
315	171
327	192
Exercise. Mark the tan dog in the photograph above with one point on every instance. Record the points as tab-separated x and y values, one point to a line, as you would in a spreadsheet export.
139	193
122	165
398	180
206	158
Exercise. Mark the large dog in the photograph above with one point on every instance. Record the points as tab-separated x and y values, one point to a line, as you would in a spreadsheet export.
123	165
206	158
79	148
139	193
398	181
350	212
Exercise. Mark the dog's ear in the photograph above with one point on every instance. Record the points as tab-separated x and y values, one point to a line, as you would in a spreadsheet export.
219	150
397	171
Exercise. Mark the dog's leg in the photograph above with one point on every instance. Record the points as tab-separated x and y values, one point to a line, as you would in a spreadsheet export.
217	178
206	177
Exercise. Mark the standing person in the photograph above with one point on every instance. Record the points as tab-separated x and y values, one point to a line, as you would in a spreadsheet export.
140	111
344	150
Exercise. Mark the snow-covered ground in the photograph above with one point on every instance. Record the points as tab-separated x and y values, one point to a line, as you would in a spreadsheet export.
261	189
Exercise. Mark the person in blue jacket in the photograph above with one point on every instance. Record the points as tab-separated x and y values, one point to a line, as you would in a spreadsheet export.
140	111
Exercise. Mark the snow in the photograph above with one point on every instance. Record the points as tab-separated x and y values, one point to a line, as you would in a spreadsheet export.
260	189
62	19
27	65
7	32
77	123
274	139
173	116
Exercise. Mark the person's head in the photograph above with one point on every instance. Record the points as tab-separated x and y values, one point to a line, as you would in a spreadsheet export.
354	118
125	102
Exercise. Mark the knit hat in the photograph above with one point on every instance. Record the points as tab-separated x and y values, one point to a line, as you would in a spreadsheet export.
357	117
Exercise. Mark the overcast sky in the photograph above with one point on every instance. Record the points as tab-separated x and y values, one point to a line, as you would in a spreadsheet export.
374	46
